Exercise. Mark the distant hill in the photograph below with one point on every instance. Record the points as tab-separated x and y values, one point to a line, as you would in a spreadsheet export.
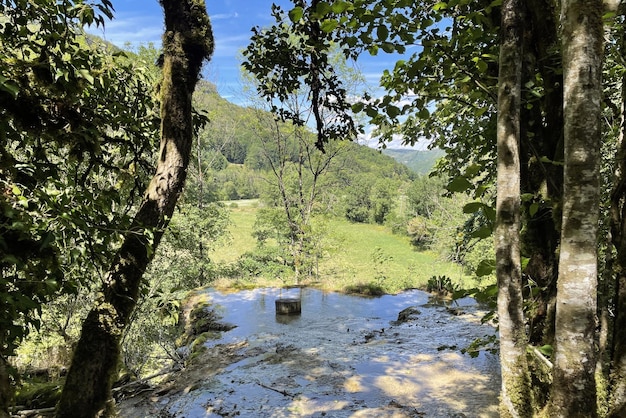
418	161
236	146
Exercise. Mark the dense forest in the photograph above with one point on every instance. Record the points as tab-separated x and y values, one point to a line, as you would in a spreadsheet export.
119	171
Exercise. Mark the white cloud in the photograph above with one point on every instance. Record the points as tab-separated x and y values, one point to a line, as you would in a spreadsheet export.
134	30
230	46
396	143
223	16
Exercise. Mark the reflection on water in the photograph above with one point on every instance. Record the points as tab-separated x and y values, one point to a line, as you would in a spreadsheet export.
346	356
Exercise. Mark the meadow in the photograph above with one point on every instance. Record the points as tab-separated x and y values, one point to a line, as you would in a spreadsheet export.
357	257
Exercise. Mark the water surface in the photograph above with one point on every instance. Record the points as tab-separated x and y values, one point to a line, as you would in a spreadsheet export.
345	356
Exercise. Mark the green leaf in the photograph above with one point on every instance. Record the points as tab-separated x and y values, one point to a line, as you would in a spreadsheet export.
47	240
473	170
485	268
358	107
479	111
482	233
322	9
546	350
340	6
473	207
482	66
459	184
329	25
86	74
371	112
9	86
490	213
481	190
296	14
534	207
388	47
382	32
392	111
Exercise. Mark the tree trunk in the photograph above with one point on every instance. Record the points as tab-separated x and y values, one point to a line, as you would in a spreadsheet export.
515	399
618	237
542	137
5	388
573	391
187	42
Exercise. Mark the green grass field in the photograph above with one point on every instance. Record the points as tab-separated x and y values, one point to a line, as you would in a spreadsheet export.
357	257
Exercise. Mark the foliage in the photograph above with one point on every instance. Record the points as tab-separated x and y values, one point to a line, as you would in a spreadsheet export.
248	176
78	127
380	260
446	91
181	263
441	285
291	57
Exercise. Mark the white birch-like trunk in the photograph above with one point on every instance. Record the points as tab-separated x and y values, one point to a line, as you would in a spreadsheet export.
515	397
574	389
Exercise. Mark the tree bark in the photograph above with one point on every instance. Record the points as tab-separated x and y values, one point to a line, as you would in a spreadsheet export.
573	391
618	238
515	398
542	137
187	42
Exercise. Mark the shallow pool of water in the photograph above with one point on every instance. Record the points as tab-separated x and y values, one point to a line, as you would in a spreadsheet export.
345	356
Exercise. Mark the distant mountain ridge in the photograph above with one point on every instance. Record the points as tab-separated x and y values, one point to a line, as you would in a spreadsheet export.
418	161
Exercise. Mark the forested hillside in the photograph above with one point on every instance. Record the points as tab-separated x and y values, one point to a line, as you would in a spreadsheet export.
233	152
418	161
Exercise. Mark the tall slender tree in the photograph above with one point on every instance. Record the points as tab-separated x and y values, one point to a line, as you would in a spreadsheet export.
574	389
187	43
515	397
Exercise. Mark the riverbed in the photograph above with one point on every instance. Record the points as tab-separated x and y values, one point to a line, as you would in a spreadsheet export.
343	356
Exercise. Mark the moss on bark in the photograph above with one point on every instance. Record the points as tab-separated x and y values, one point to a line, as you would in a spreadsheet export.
187	42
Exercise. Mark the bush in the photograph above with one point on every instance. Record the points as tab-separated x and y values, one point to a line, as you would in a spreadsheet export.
440	285
264	261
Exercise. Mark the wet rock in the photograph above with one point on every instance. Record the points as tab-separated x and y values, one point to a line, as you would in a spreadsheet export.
285	349
455	311
447	347
408	314
369	336
205	320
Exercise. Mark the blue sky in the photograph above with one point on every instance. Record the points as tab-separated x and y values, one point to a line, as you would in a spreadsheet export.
141	21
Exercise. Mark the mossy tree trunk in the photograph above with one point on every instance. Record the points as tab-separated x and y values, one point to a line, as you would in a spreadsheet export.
187	42
573	391
515	394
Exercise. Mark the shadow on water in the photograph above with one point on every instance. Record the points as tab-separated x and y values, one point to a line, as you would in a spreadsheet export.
345	356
